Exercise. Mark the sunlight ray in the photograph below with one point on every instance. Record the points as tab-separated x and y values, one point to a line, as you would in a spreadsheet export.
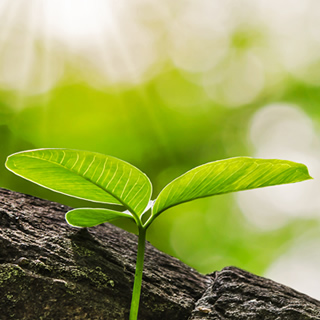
119	38
8	11
122	50
27	57
51	69
47	44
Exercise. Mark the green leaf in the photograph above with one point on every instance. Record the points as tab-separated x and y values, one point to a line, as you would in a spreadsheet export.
87	175
226	176
90	217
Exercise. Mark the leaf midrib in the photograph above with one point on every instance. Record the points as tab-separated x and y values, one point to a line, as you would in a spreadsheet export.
59	164
219	193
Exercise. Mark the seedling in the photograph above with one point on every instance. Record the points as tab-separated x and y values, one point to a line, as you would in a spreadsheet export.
104	179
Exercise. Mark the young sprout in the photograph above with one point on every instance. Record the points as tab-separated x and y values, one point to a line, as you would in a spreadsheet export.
105	179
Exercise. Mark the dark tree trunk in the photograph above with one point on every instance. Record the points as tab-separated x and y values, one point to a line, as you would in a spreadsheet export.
49	270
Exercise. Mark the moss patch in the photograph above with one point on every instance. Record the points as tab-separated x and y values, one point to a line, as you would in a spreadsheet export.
10	273
82	251
95	276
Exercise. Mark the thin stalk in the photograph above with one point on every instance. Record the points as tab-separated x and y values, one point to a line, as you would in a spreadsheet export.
138	274
148	222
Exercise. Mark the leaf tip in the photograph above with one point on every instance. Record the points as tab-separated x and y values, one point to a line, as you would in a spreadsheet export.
306	174
69	219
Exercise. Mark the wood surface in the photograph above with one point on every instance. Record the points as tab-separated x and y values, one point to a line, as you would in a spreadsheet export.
49	270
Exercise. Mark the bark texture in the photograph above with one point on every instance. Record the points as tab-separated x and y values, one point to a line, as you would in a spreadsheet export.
237	294
49	270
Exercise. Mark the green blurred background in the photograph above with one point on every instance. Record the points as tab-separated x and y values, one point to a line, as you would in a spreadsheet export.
168	86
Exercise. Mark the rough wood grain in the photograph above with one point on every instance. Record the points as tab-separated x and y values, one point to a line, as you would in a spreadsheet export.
239	295
49	270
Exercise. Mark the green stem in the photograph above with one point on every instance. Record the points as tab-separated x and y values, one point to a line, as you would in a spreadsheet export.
138	275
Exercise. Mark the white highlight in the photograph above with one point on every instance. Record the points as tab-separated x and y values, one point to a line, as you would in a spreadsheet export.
283	131
299	268
233	51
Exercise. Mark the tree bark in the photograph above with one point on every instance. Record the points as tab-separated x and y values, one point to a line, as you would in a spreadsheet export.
49	270
237	294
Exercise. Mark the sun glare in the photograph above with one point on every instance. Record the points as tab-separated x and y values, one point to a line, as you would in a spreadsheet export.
76	20
105	43
234	57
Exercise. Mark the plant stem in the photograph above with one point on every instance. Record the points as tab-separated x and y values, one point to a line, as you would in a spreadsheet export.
138	274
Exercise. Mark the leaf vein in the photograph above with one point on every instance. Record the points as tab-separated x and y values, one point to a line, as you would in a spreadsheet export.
103	169
114	174
126	183
131	189
118	182
135	207
75	162
94	158
64	155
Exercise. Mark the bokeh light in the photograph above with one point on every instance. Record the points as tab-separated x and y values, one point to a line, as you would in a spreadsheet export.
283	131
302	259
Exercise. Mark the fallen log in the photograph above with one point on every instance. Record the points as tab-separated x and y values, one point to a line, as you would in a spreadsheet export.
49	270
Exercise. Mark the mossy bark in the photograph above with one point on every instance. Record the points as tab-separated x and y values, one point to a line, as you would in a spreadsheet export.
49	270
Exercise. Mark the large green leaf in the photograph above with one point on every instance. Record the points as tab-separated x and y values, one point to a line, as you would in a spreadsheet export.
90	217
87	175
228	175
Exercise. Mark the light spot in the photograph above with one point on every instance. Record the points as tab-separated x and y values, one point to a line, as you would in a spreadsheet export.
299	267
283	131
